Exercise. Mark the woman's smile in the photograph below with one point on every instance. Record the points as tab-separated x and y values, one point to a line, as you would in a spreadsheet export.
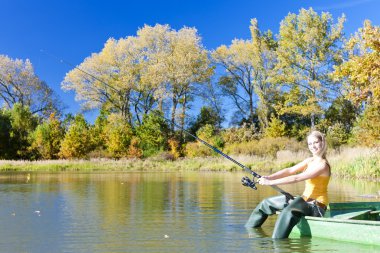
315	145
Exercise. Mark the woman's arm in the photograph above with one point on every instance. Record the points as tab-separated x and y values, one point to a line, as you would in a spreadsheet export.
289	171
314	171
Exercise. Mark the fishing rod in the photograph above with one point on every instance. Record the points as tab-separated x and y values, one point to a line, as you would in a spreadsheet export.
246	181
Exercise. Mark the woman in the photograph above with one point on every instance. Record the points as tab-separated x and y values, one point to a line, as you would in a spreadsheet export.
315	171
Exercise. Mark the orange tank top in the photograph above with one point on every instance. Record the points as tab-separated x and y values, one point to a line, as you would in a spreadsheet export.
316	188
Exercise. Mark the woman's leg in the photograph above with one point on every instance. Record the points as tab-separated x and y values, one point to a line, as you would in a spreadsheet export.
267	207
290	216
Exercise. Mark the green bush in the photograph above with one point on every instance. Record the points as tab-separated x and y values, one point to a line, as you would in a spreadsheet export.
153	133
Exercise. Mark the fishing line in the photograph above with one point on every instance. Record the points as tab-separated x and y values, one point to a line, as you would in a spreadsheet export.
245	181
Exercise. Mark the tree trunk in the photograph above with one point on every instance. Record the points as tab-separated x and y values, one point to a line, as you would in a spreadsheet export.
174	109
183	116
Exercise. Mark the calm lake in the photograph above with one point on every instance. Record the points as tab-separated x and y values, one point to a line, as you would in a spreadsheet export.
150	212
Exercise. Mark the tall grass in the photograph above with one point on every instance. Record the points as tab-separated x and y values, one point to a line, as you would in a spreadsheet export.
356	163
348	162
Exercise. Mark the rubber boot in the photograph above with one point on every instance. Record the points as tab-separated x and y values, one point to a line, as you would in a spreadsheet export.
290	216
267	207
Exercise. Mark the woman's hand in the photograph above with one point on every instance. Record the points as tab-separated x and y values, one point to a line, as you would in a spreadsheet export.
264	181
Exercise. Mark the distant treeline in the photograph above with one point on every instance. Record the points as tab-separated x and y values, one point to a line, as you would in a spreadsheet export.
275	87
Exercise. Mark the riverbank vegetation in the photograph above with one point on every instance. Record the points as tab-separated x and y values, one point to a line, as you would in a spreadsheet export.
360	163
259	98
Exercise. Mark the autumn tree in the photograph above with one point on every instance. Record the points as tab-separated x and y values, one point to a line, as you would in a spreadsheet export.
276	128
309	45
106	79
19	84
361	75
118	135
248	65
361	72
132	75
367	129
77	141
179	63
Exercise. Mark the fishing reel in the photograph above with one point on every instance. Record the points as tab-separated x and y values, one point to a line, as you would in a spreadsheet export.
249	183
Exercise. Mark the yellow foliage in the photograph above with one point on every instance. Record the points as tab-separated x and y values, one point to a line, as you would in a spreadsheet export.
134	151
175	149
197	149
362	69
276	128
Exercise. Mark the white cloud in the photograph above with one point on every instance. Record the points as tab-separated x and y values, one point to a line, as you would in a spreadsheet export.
343	5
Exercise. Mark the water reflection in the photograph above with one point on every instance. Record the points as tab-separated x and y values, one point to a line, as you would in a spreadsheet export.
148	212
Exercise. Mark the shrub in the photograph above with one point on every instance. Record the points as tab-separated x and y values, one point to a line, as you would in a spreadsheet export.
77	140
197	149
367	130
47	137
276	128
265	146
336	135
118	135
174	148
244	133
134	151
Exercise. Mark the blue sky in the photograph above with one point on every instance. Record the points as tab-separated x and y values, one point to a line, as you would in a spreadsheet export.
72	30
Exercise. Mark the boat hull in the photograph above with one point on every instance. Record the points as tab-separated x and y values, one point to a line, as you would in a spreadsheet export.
348	222
358	231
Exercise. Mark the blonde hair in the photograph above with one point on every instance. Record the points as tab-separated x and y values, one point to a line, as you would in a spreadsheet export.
321	137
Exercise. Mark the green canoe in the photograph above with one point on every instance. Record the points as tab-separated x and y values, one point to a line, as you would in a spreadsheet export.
357	222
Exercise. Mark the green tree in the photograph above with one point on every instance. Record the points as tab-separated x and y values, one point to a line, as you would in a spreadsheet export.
342	111
23	123
308	49
77	141
98	131
153	133
6	151
206	116
47	138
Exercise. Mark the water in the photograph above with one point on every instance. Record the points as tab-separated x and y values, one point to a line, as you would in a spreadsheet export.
149	212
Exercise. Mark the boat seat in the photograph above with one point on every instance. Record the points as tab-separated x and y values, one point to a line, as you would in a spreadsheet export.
375	215
360	215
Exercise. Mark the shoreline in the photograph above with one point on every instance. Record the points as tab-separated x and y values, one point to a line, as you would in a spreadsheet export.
347	164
